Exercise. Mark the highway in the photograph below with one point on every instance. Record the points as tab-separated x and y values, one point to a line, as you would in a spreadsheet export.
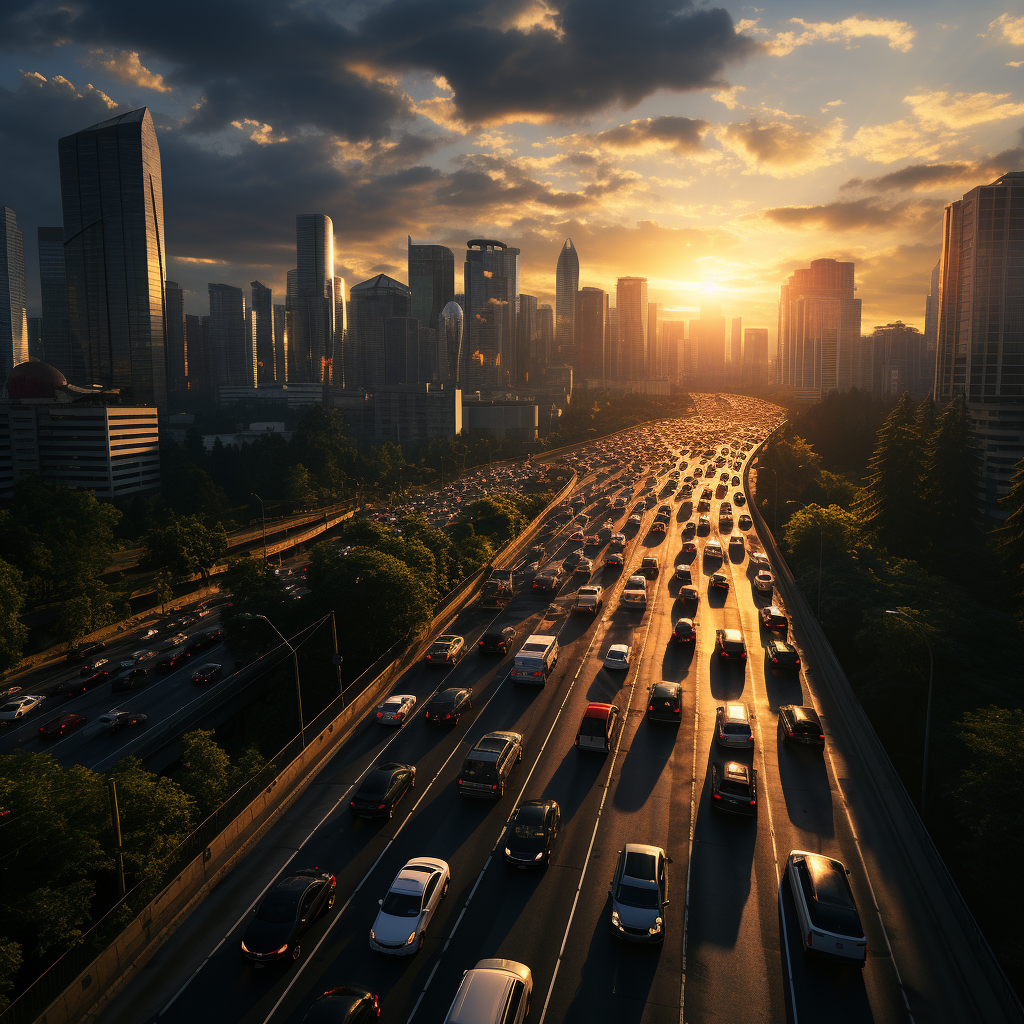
730	951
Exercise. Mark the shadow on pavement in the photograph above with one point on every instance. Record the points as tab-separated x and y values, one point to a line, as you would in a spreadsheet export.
648	754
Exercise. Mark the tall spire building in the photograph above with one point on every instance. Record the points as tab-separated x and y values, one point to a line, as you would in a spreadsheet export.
567	283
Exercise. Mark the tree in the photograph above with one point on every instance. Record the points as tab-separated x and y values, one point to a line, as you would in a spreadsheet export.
814	532
186	546
13	632
10	963
205	773
298	485
1011	537
320	444
92	607
926	419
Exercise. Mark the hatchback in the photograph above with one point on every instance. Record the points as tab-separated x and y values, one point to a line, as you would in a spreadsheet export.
639	893
665	702
734	787
732	726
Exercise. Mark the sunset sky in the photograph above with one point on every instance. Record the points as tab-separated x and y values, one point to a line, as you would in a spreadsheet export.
705	148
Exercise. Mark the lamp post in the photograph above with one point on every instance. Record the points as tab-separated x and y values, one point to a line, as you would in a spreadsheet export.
928	710
295	661
263	514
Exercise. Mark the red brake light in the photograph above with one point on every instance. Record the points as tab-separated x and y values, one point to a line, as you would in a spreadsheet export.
716	796
399	714
651	708
426	714
380	807
675	711
380	714
809	936
352	804
494	789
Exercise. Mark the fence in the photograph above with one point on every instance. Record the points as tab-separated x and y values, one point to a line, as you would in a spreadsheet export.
120	943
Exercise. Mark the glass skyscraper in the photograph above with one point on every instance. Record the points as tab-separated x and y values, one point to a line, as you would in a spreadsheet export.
632	306
229	338
53	286
177	349
13	312
114	257
313	340
263	308
370	303
567	283
431	281
489	349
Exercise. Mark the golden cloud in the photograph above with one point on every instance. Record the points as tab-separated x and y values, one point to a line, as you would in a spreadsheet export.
1011	29
783	149
125	66
963	109
899	34
886	143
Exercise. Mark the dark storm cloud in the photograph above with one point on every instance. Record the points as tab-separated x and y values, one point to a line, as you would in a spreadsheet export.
684	134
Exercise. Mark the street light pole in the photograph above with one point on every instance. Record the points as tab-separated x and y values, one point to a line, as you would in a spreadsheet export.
928	710
295	660
263	514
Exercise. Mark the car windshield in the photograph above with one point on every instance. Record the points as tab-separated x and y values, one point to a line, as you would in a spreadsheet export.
592	727
529	823
635	896
278	908
401	904
665	694
736	729
734	787
617	655
448	697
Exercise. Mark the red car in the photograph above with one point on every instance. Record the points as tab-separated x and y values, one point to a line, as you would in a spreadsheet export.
61	725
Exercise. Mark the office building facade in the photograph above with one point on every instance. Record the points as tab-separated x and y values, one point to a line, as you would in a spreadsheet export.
431	281
262	309
281	321
114	258
546	329
528	344
591	324
490	343
13	309
754	359
177	351
371	303
53	292
631	303
567	283
450	327
313	303
229	338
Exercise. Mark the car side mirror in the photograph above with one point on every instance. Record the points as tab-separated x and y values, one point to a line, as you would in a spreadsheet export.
665	903
380	903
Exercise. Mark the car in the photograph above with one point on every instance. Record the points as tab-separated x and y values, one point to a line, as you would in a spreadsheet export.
718	581
85	651
589	599
172	660
91	667
665	702
760	559
713	549
635	592
636	518
639	893
684	631
406	911
530	834
704	524
496	640
739	498
618	656
494	992
76	687
208	673
782	654
62	725
801	725
188	620
114	720
381	789
734	482
617	541
396	709
576	535
665	510
732	726
147	633
592	541
489	764
649	566
174	641
584	567
774	619
689	593
447	650
614	558
826	911
734	787
345	1004
129	680
284	914
683	573
546	581
744	522
19	707
763	581
572	559
599	728
207	638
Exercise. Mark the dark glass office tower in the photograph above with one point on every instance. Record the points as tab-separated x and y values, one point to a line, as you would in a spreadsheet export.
263	307
490	346
370	303
177	350
313	327
114	257
591	331
13	312
53	287
567	282
229	338
431	281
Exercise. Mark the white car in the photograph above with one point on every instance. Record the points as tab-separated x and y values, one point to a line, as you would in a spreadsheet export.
713	549
825	908
759	558
407	909
19	707
618	656
764	581
147	633
493	991
396	709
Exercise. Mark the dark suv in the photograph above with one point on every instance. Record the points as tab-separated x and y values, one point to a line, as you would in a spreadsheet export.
801	725
489	764
782	654
497	641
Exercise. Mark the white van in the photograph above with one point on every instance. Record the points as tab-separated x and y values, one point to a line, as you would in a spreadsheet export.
494	992
536	659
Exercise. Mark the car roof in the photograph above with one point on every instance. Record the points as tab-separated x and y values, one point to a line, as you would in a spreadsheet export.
481	995
412	879
774	609
736	710
595	710
618	647
733	635
736	772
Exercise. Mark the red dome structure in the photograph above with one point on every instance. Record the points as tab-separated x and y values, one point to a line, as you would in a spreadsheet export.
35	380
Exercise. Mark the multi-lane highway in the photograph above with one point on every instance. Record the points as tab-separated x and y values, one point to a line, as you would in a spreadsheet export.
730	951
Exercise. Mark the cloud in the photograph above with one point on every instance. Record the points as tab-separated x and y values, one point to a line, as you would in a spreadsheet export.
783	148
728	96
963	109
677	135
886	143
854	215
126	67
899	34
1010	28
932	177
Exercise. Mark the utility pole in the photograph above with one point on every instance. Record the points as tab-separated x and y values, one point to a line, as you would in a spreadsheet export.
337	659
115	818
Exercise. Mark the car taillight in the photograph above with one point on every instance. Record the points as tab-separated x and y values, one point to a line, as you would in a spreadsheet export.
429	656
775	661
481	643
460	782
494	789
651	708
426	714
675	711
716	796
380	714
810	935
822	736
448	715
399	714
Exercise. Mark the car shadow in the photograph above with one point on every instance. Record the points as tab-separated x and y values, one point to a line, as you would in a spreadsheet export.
606	685
805	787
572	782
717	597
574	628
676	661
648	754
727	679
781	686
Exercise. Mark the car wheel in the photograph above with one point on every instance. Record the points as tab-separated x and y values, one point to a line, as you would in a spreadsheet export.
296	951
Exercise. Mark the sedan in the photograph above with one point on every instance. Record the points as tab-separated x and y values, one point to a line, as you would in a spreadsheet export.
734	787
285	913
801	725
825	908
684	631
91	667
401	922
718	581
497	640
114	720
62	725
584	567
346	1004
745	522
530	834
449	705
665	703
782	654
172	660
396	709
19	707
689	594
649	567
615	559
639	893
74	688
381	790
618	656
208	673
546	581
683	574
764	581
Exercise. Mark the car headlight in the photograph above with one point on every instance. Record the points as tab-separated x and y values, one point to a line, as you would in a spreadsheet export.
282	950
540	856
373	937
508	852
412	938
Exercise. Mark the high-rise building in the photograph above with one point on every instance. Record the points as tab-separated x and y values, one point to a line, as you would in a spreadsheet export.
114	257
528	326
546	328
931	327
903	357
734	357
229	338
370	304
431	281
673	342
755	356
631	302
655	367
291	303
263	309
611	343
567	283
35	337
490	345
53	288
340	332
410	352
313	327
281	318
197	355
13	311
450	326
707	338
177	351
819	324
980	343
591	328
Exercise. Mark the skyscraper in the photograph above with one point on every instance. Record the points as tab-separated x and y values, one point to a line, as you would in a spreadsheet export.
450	326
931	326
567	282
708	340
591	327
490	345
13	311
177	352
340	332
35	338
409	351
229	338
631	302
263	309
981	325
902	352
528	326
819	324
291	303
53	288
734	357
673	340
546	327
370	304
755	356
281	318
431	281
197	352
114	259
313	326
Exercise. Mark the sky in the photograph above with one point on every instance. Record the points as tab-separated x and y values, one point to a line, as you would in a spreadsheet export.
710	149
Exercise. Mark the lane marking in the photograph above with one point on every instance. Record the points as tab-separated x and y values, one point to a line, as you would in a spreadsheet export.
789	963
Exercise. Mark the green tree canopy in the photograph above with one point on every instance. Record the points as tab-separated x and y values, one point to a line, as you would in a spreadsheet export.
186	546
13	633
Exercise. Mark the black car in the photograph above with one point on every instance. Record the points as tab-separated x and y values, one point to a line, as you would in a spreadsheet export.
346	1004
285	913
665	703
497	641
684	631
76	687
207	638
734	787
87	651
489	764
782	654
546	581
530	835
172	660
382	788
129	680
207	673
801	725
449	705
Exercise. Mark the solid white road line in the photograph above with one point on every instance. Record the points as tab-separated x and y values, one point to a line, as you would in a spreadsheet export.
789	963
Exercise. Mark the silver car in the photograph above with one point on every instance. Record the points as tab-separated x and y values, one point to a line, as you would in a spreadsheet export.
640	893
825	908
409	906
396	709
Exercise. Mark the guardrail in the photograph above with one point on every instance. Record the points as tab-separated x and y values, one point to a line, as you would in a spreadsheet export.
890	795
110	955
